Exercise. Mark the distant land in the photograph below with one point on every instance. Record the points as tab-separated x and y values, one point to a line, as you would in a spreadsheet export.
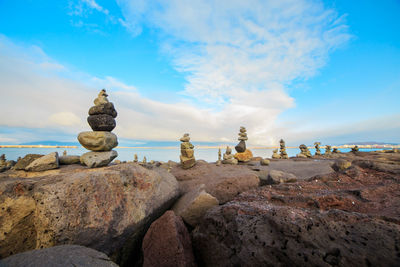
369	143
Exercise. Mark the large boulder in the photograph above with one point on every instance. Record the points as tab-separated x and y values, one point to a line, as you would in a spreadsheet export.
47	162
107	209
98	141
22	163
223	182
59	256
98	159
167	243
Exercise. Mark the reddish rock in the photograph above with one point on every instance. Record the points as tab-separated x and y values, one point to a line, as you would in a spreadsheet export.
223	182
348	218
167	243
244	156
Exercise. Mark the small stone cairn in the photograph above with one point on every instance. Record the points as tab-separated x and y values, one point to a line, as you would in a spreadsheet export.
282	144
228	157
275	154
335	150
328	150
101	140
187	152
243	154
219	157
355	149
317	148
305	153
5	164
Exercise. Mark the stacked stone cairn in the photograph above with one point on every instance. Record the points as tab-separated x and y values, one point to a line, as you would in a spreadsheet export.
282	144
228	157
243	154
101	140
187	153
135	158
328	150
219	157
275	154
317	148
335	150
355	149
305	153
5	164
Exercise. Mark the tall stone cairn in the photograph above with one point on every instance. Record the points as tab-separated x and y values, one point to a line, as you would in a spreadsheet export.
355	149
282	144
328	150
317	149
101	140
305	153
243	154
187	153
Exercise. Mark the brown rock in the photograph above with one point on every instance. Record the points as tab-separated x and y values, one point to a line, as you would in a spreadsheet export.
47	162
69	159
107	108
193	205
189	153
98	140
244	156
341	165
25	161
167	243
223	182
102	208
101	122
187	163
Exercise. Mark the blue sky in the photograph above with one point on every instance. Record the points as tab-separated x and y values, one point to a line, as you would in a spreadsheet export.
301	70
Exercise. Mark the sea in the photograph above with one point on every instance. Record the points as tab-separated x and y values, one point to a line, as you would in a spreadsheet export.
156	154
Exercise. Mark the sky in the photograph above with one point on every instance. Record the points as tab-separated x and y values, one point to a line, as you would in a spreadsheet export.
302	70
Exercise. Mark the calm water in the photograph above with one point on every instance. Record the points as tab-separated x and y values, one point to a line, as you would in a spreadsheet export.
157	154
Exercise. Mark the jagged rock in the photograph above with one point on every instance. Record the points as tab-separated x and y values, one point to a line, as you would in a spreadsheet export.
69	159
244	156
59	256
98	159
47	162
101	122
167	243
107	108
107	209
228	157
194	204
98	141
241	147
25	161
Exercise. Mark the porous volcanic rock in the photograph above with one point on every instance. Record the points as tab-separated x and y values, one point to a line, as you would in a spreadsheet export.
25	161
69	159
98	159
244	156
223	182
47	162
107	209
348	218
102	122
98	140
167	243
59	256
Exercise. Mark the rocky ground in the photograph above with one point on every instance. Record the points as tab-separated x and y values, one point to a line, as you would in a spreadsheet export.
339	210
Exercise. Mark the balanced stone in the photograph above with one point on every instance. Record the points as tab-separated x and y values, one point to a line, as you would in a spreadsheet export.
244	156
101	98
98	159
275	154
241	147
187	152
107	108
282	144
228	157
102	122
305	153
98	141
317	149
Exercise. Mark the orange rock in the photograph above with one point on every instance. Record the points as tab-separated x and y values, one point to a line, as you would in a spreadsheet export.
244	156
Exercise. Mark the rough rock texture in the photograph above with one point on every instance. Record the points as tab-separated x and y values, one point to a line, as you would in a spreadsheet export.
167	243
241	147
264	162
341	165
98	141
69	159
244	156
98	159
193	205
187	163
25	161
107	108
106	208
223	182
101	122
276	177
47	162
349	218
59	256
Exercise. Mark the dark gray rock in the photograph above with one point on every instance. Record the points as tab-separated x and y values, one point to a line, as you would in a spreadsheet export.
102	122
241	147
107	108
25	161
59	256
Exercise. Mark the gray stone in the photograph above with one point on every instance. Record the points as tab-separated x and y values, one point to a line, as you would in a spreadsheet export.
241	147
98	141
60	256
98	159
70	159
25	161
276	177
47	162
107	108
101	122
264	162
